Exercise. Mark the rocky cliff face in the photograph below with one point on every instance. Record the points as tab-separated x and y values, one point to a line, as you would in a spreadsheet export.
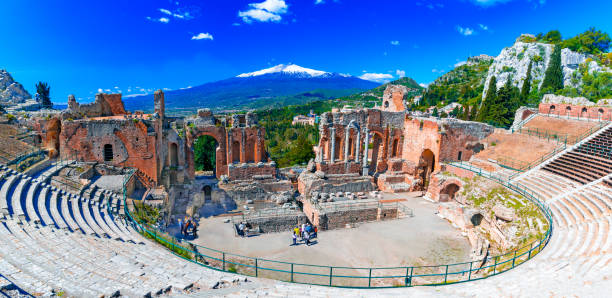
512	63
11	92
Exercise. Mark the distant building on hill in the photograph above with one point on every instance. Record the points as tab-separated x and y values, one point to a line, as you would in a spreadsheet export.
304	120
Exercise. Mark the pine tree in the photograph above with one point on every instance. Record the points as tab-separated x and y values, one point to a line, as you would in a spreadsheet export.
489	100
506	103
553	77
43	91
526	86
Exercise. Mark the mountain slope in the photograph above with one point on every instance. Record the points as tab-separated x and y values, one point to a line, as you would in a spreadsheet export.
11	92
291	83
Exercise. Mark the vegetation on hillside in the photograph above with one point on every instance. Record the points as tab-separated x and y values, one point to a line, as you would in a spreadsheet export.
371	97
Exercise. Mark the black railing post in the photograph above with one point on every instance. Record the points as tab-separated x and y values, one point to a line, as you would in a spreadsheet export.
446	274
470	274
331	271
370	278
495	266
256	273
514	258
223	261
291	272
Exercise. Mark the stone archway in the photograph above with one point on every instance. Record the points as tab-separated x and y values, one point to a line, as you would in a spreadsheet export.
206	148
568	111
448	192
426	166
584	113
377	143
207	190
218	134
551	109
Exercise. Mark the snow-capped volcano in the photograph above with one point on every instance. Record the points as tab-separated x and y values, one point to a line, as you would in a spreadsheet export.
275	86
290	69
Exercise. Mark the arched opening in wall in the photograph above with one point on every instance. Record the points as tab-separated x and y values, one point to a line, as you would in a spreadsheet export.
448	192
386	104
249	151
476	219
459	155
38	140
551	109
205	155
108	152
351	148
584	113
207	190
173	154
235	151
54	128
600	114
426	166
375	146
568	111
339	148
395	148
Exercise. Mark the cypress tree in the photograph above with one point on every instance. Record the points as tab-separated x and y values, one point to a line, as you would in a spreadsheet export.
473	112
489	100
43	91
553	77
526	86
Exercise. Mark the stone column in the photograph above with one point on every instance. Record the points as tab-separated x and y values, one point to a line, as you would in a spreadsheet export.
332	156
242	147
347	134
320	157
357	146
230	158
365	152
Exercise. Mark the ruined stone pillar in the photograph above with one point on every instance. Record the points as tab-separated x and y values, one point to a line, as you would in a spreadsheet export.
357	146
242	147
347	134
230	158
365	152
320	157
332	156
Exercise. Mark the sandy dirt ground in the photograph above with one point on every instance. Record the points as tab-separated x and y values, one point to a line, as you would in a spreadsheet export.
516	146
569	127
419	240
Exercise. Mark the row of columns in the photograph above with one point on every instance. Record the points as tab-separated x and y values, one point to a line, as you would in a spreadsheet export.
357	155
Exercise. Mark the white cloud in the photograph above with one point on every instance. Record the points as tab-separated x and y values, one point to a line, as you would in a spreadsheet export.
423	85
181	13
235	24
377	77
319	2
395	42
400	73
459	63
489	2
267	11
160	20
465	31
483	27
437	70
202	36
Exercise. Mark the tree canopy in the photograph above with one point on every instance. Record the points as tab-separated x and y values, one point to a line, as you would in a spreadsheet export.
43	91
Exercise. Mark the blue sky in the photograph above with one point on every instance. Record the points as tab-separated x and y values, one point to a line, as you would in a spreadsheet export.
80	47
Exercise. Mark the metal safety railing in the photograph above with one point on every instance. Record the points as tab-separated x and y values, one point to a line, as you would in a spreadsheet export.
356	277
560	148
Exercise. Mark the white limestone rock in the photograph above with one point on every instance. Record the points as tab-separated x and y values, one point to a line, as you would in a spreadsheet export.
513	62
560	99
